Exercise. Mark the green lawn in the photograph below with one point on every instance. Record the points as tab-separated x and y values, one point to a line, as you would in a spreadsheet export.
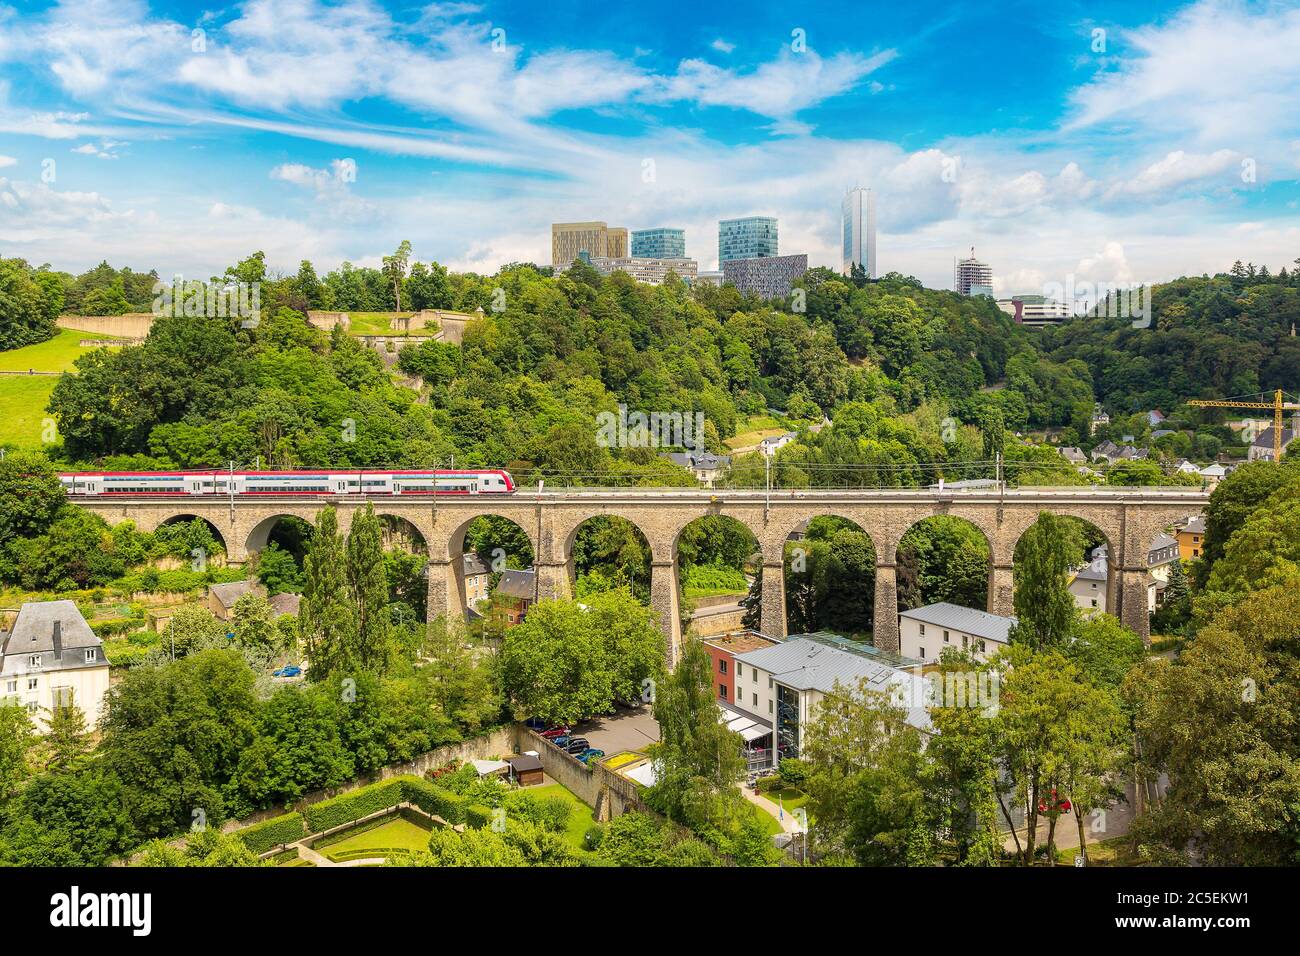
380	323
55	355
581	818
22	409
770	823
397	834
23	398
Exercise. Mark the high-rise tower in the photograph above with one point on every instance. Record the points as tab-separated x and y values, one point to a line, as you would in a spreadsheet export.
858	231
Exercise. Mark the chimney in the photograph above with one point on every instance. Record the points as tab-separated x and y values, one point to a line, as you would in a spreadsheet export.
58	639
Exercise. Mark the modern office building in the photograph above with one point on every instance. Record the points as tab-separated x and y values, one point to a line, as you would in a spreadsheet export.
752	237
970	273
651	271
1034	311
569	240
659	243
769	277
858	231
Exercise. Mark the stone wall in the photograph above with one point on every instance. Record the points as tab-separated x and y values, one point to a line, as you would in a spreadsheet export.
133	325
608	794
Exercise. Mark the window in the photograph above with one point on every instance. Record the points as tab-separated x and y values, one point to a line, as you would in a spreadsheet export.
923	630
32	682
753	675
34	660
755	700
769	683
1094	602
769	706
965	642
945	637
982	648
722	691
92	654
12	687
921	653
739	668
722	666
1094	585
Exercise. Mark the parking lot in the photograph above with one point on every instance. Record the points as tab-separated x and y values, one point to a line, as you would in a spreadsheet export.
623	730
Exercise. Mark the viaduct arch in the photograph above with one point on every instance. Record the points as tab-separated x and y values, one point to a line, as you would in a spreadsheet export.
1129	518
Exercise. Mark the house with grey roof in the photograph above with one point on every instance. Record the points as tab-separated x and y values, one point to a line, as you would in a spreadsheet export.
515	593
478	577
1261	449
51	658
926	632
223	597
785	684
1073	454
705	465
771	445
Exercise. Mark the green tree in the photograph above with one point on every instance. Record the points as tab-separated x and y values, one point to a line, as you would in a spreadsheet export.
254	624
699	762
368	587
327	618
67	739
16	737
1045	609
554	665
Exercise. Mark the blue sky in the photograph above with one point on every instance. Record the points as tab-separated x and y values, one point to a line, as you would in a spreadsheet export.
1104	141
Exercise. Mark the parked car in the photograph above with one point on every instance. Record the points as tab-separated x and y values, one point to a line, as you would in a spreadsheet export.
555	732
289	670
535	723
576	745
589	755
561	742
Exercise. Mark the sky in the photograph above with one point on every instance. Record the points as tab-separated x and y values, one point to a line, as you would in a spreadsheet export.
1084	142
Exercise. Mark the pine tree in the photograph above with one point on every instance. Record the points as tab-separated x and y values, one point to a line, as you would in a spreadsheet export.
66	740
327	620
368	584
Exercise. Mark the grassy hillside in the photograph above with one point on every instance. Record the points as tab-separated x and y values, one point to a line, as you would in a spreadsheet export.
23	397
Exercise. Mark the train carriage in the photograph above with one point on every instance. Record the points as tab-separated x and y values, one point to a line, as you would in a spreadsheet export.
310	483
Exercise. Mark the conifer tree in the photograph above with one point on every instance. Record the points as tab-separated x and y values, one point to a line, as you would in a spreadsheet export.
327	619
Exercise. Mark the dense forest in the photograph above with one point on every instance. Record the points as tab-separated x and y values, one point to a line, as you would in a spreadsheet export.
888	361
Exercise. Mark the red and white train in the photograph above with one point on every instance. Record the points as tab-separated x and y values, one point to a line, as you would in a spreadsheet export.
324	481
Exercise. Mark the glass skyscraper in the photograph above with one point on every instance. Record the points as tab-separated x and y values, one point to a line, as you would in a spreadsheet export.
752	237
858	230
659	243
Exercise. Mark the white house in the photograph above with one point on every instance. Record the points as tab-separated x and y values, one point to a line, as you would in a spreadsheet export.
784	684
52	658
770	446
926	632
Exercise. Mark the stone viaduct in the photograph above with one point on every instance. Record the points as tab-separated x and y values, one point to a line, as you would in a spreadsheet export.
1129	518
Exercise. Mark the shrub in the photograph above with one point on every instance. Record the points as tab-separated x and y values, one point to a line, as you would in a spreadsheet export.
354	805
793	772
433	799
549	813
263	836
477	816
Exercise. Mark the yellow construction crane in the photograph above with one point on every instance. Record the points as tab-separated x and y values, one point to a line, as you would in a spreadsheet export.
1278	405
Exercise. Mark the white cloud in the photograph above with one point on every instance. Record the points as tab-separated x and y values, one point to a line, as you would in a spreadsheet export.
722	46
1178	168
104	149
7	161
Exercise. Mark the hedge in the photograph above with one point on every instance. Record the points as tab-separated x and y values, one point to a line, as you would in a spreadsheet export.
435	800
354	805
477	816
269	834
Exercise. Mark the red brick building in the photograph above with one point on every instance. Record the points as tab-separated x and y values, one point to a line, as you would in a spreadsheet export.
722	652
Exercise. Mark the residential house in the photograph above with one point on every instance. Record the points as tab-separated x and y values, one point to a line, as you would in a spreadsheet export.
1215	473
925	632
51	658
1088	586
1155	417
722	651
786	683
285	603
1191	538
706	466
771	445
223	597
1186	467
478	577
1099	418
515	593
1074	456
1261	449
